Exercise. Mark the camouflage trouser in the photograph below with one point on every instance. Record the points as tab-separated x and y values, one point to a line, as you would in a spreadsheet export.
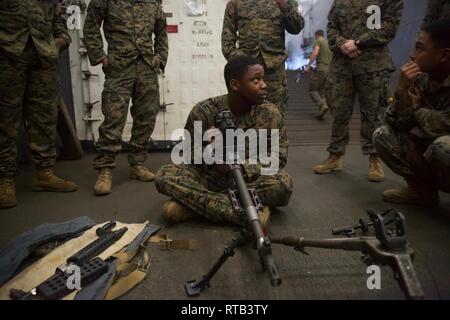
206	191
369	88
385	95
138	82
277	91
317	85
29	90
414	158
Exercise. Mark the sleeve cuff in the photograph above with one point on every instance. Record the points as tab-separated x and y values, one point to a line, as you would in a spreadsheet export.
159	63
421	114
65	37
363	40
97	58
404	101
340	41
289	7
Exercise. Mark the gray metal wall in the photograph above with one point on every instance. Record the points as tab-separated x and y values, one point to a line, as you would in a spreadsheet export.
413	13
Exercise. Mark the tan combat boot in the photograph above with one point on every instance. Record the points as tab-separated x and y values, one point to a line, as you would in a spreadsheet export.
45	180
103	185
333	163
141	173
7	193
376	172
414	194
175	212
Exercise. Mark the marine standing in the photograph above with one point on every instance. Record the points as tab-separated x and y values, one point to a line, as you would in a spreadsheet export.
257	28
131	68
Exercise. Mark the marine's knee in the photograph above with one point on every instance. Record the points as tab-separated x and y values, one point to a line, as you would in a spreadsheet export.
286	185
164	174
439	151
381	135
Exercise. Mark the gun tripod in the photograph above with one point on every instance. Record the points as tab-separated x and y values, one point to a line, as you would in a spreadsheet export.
246	204
251	202
388	247
195	288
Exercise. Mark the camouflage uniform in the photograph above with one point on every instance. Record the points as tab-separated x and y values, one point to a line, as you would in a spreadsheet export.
132	72
365	75
318	81
317	87
204	189
416	144
437	10
29	79
257	28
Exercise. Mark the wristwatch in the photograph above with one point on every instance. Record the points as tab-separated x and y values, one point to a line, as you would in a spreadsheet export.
357	43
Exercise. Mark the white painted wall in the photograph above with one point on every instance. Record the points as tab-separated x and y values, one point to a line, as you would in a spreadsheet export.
195	66
194	69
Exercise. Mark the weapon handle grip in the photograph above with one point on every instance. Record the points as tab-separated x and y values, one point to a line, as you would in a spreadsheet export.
340	231
408	280
272	268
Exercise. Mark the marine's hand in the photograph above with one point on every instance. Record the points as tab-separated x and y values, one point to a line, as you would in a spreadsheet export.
354	54
61	44
105	61
223	168
408	74
348	47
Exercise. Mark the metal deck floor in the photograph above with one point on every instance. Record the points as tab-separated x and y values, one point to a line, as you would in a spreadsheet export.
318	204
303	127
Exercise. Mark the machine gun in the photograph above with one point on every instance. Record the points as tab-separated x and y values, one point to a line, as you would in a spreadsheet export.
246	204
363	225
56	287
388	247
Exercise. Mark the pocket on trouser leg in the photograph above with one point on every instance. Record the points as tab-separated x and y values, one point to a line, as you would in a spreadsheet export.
314	83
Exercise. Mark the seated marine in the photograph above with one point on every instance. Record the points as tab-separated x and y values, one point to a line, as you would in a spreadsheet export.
201	189
416	142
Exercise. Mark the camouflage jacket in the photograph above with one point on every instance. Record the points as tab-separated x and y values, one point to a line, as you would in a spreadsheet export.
437	9
40	19
257	27
264	116
128	27
348	20
432	118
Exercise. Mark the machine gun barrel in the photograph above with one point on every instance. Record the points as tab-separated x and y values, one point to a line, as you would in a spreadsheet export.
263	244
300	244
247	202
399	260
224	122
